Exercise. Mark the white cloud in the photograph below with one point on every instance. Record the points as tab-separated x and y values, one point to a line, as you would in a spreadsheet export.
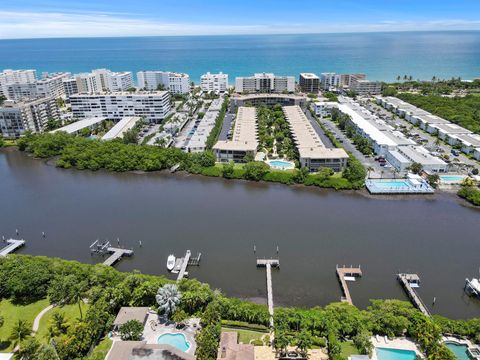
17	24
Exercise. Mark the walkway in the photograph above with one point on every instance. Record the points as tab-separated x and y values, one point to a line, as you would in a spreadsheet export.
268	263
343	272
13	245
406	280
36	322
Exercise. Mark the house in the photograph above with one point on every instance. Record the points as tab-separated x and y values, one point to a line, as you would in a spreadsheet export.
130	313
140	350
230	349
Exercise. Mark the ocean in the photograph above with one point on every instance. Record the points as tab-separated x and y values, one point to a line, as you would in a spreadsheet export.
382	56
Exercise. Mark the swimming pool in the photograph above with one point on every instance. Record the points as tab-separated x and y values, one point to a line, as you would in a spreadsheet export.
452	178
393	184
460	351
394	354
281	164
176	340
397	186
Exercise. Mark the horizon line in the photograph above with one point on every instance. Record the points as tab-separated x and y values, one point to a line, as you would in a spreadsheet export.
242	34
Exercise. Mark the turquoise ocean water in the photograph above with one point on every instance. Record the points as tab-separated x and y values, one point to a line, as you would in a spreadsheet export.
382	56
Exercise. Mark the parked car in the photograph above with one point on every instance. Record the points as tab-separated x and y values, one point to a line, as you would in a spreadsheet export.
455	152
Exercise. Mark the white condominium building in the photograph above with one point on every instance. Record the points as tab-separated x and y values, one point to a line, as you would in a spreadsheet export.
244	139
331	80
18	117
152	106
9	76
176	83
50	85
365	87
312	153
103	80
214	82
70	86
265	83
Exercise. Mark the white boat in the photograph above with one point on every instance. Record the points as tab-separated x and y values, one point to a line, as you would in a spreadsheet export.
171	262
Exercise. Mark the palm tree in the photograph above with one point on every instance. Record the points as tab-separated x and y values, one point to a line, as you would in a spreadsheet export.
369	169
281	341
168	297
20	331
304	341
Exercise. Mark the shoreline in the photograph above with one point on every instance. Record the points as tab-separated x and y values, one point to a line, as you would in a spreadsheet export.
363	192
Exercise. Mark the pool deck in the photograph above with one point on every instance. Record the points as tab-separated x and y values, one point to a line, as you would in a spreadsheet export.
397	343
154	328
465	342
373	188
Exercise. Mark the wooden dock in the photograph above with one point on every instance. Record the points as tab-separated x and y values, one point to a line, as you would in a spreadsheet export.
116	254
181	264
347	274
268	263
406	280
12	245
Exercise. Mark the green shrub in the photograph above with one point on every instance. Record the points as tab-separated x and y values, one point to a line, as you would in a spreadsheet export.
244	325
471	194
257	342
211	171
280	176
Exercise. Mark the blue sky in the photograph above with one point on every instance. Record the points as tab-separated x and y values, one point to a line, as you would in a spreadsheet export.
73	18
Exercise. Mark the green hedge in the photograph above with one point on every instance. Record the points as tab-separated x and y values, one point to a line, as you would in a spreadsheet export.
470	194
244	325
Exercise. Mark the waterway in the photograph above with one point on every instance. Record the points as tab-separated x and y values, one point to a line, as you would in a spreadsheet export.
436	237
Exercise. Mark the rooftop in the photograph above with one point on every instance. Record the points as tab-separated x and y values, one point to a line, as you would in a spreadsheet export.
79	125
451	128
230	349
121	93
131	313
121	127
469	139
309	75
244	137
307	140
140	350
420	155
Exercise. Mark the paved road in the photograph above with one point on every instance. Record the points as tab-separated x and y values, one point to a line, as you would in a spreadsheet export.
326	141
227	123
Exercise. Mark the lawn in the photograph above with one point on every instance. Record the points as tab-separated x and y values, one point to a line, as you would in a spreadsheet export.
245	336
348	349
101	350
71	313
12	313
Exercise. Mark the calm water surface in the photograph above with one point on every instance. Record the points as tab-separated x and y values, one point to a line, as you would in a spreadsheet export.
314	229
383	56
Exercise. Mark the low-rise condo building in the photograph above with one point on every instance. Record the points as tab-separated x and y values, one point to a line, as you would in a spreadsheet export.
309	83
365	87
334	81
176	83
404	156
323	108
311	151
152	106
265	83
244	138
469	142
198	141
76	127
268	99
16	117
476	153
121	127
214	82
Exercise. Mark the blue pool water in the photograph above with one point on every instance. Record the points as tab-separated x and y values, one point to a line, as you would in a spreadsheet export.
397	184
460	351
281	164
452	178
176	340
394	354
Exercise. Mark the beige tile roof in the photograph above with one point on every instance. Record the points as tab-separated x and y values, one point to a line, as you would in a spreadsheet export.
244	135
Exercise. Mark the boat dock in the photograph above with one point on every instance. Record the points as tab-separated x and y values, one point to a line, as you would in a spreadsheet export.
12	245
181	264
409	282
116	254
347	274
268	263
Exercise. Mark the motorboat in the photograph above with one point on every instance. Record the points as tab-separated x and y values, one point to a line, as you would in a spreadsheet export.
171	262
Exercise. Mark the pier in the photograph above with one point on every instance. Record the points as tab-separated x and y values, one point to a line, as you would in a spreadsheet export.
105	248
409	282
347	274
12	245
181	264
268	263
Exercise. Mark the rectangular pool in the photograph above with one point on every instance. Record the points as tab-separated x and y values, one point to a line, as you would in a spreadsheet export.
394	354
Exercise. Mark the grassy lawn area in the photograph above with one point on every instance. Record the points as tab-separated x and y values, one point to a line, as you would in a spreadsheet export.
245	336
71	313
101	350
12	313
348	349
